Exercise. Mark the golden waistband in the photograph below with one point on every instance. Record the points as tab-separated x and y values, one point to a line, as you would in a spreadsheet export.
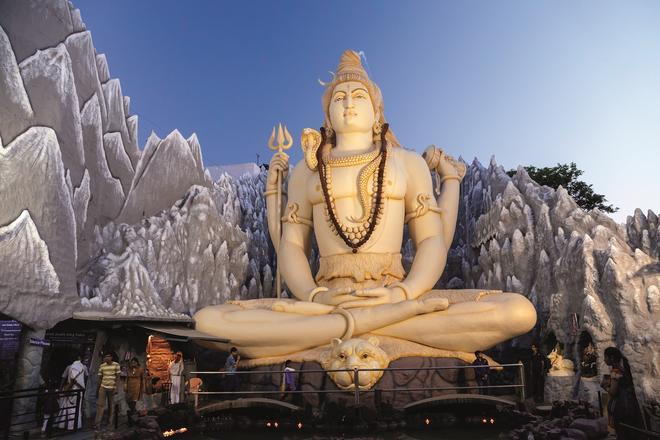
360	270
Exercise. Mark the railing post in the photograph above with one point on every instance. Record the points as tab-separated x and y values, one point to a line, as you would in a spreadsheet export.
76	414
356	381
521	370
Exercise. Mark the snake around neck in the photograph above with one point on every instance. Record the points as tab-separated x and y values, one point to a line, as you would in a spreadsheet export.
356	236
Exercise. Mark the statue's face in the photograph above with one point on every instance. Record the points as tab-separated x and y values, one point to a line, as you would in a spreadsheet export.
351	110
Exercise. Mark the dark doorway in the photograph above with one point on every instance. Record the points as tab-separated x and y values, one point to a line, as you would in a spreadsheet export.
587	355
65	346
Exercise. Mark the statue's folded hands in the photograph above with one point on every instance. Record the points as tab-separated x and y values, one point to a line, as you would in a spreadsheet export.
374	296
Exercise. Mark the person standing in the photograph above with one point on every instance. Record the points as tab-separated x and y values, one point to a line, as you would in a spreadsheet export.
538	368
108	374
623	406
289	377
481	371
176	372
74	378
134	386
231	365
50	406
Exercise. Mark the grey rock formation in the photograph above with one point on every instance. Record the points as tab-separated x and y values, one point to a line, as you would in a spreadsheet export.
102	68
165	171
108	195
32	162
234	170
132	148
559	388
76	20
116	115
574	265
35	24
643	232
118	161
81	196
83	62
28	375
15	111
34	293
49	82
176	262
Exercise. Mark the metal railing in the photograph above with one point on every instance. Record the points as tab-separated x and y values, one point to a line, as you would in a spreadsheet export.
22	421
518	386
645	432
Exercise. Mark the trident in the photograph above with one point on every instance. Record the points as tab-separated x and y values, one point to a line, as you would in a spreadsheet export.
284	142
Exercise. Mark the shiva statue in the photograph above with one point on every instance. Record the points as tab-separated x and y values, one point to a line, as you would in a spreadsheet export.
355	190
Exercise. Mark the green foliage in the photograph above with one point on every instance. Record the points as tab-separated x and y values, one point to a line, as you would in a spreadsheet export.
567	176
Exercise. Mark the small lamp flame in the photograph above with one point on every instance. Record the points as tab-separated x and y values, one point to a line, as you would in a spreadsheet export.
171	432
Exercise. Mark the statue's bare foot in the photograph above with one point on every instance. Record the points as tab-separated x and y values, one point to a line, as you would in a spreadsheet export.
428	305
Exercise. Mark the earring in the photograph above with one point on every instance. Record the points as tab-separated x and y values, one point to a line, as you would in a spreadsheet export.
329	132
378	128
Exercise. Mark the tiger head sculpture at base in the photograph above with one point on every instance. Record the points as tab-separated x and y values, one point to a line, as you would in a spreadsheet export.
354	354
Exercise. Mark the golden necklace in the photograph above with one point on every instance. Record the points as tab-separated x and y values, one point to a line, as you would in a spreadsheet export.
355	159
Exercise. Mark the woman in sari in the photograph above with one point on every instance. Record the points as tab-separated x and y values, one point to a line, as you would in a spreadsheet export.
134	384
623	406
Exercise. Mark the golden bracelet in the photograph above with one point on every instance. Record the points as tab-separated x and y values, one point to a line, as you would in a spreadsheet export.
457	177
403	287
315	291
350	322
270	192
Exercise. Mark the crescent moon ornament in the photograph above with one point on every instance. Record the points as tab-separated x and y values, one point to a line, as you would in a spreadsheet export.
323	83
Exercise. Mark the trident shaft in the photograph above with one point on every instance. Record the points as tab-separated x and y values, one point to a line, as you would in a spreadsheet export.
284	142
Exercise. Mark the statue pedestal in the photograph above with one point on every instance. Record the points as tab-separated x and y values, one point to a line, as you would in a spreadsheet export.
588	389
559	387
403	381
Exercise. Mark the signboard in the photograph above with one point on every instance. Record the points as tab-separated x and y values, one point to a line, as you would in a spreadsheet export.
72	338
10	338
39	342
81	342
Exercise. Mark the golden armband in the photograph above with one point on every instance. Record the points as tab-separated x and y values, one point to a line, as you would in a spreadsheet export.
422	207
291	216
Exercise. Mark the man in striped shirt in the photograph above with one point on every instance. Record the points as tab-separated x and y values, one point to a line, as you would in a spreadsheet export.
108	373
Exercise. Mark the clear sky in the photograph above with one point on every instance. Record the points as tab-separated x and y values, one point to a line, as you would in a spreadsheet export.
529	82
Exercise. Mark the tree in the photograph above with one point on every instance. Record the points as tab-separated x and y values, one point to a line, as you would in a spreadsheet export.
567	176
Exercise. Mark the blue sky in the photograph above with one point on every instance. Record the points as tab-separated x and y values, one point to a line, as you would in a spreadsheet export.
529	82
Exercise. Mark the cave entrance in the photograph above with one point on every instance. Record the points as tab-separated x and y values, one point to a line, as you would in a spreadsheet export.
549	342
587	355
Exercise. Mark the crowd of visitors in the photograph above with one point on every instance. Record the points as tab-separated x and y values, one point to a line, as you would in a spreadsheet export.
67	412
